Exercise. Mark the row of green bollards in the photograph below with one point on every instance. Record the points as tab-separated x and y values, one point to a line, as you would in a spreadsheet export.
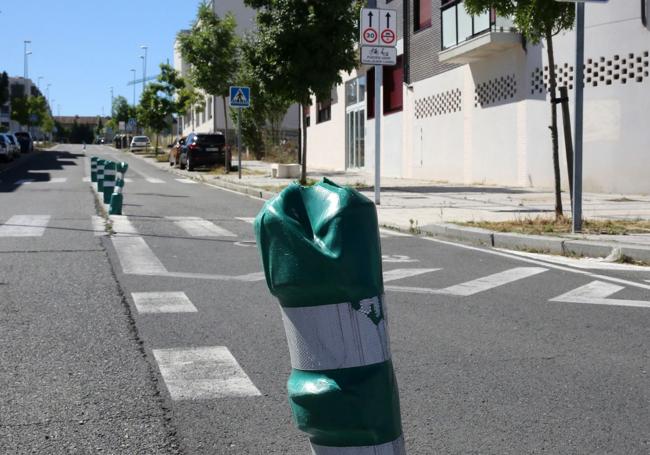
109	176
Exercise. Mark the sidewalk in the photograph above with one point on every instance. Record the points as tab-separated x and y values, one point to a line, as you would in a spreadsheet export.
427	207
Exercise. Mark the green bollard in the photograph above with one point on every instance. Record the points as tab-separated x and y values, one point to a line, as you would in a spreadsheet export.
100	175
93	169
115	207
109	180
321	254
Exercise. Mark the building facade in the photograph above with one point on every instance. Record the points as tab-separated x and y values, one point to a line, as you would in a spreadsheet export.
473	107
201	119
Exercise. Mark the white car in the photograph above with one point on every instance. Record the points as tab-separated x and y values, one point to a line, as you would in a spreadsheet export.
140	143
14	144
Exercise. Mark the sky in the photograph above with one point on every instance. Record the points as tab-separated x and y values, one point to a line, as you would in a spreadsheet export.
83	48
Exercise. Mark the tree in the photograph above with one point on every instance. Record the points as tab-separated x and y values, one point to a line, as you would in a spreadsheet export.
266	108
210	48
154	109
48	124
537	20
122	111
38	111
4	88
20	110
177	88
302	48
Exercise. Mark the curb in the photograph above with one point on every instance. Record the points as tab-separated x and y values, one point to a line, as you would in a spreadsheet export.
537	243
475	236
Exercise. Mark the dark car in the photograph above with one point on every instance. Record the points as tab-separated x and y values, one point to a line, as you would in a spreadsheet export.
203	149
25	140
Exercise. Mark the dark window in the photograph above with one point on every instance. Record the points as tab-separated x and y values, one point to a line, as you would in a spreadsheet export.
393	79
421	14
211	139
324	111
645	12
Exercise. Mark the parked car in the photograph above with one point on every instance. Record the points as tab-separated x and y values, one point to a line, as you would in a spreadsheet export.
175	151
203	150
26	142
15	145
140	143
5	148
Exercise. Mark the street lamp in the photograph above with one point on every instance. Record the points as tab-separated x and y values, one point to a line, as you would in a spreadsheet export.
144	71
26	53
38	81
133	71
112	101
47	93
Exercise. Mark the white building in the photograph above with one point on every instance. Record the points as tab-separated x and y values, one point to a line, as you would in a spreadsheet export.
201	120
468	102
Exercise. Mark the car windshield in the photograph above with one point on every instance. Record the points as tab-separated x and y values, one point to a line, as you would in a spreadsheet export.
11	139
210	140
20	135
141	139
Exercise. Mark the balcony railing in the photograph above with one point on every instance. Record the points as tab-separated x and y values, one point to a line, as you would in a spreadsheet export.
458	26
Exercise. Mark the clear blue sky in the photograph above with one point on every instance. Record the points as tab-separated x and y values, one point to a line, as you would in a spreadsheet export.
84	47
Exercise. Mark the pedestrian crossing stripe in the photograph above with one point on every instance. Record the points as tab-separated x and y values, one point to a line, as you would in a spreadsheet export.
25	226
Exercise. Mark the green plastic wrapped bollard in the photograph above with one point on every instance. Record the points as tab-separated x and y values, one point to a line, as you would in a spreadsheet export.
321	254
109	181
100	175
93	169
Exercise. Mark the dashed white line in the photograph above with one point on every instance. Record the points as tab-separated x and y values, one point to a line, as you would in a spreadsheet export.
136	257
188	181
25	226
203	373
162	302
199	227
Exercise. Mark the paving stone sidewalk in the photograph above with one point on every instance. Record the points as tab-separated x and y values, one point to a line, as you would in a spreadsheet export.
433	208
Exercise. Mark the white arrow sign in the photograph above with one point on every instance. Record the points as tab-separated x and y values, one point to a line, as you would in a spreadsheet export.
597	293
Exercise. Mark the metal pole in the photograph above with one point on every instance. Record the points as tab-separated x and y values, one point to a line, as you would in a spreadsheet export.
239	142
579	108
379	73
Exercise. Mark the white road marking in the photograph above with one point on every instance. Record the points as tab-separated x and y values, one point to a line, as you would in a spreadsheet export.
24	181
473	287
539	262
581	263
397	258
122	225
597	293
399	274
246	243
25	226
162	302
57	180
391	233
245	219
136	257
86	179
203	373
99	228
189	181
199	227
128	180
154	180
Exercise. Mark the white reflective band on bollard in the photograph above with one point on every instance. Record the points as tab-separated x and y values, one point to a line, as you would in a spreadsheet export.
331	337
395	447
109	172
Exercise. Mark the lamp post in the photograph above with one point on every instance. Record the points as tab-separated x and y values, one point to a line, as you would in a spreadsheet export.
133	71
144	70
47	93
112	97
26	72
38	82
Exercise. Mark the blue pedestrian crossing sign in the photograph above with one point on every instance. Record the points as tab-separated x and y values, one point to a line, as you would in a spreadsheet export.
240	96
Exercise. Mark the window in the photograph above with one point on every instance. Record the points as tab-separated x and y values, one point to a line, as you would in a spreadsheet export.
421	14
323	111
210	105
393	78
645	12
307	112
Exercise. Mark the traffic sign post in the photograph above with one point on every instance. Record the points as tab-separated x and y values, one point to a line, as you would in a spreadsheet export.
576	216
378	30
240	98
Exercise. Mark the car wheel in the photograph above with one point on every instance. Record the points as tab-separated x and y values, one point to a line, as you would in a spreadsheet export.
190	167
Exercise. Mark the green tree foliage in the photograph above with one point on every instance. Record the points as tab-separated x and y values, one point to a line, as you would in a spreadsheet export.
38	110
155	109
537	20
211	49
81	133
48	124
20	110
121	110
267	108
4	88
302	48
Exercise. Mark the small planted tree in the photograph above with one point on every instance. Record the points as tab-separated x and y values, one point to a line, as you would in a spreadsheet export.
210	48
537	20
302	48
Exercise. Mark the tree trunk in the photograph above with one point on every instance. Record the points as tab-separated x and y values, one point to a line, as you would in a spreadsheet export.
553	89
303	172
225	133
568	141
157	137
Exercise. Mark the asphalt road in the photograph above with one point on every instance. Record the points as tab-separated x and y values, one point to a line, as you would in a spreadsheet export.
163	333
